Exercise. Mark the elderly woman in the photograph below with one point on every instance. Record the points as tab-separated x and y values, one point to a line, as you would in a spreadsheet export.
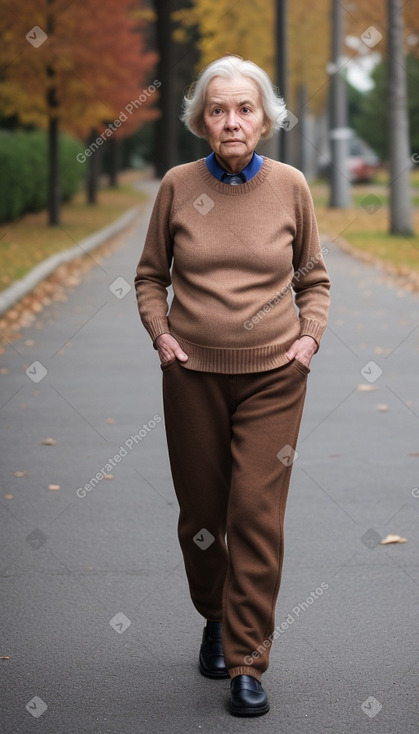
235	235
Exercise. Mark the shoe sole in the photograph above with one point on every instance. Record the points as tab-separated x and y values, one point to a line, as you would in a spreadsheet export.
214	676
249	711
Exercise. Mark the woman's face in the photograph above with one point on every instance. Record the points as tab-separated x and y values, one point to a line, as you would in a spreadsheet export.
233	120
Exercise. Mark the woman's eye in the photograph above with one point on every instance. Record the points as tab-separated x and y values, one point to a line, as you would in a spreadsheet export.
245	109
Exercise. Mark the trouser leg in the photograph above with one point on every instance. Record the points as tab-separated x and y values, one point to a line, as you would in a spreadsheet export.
267	418
224	434
198	434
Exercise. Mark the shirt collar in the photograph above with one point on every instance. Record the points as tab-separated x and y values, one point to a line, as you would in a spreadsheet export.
252	168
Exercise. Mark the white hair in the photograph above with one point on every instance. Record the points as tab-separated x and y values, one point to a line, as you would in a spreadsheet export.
228	67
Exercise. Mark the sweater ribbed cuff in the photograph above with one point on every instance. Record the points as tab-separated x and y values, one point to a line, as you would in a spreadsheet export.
156	327
308	327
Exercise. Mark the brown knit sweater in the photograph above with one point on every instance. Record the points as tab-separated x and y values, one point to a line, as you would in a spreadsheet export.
236	257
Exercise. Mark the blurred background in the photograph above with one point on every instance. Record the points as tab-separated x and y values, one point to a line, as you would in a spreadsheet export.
91	93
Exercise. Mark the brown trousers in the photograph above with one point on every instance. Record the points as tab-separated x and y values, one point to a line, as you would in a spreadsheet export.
224	435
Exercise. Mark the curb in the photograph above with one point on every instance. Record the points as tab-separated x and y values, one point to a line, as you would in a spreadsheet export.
400	276
22	287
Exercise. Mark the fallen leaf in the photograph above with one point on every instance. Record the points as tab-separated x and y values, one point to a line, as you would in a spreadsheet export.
54	486
364	387
4	657
4	371
378	350
8	496
48	442
22	473
392	539
110	420
29	343
108	476
414	453
382	407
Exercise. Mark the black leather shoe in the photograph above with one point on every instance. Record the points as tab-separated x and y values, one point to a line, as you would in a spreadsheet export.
211	654
247	697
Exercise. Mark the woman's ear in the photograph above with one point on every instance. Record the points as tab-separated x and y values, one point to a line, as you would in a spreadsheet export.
266	127
201	128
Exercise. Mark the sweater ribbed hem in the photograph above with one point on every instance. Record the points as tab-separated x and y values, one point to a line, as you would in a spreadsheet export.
234	361
244	670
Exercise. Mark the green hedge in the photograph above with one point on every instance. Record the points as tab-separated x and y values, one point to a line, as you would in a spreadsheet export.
24	171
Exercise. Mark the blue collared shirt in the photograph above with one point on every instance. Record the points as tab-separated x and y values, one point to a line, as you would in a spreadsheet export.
252	168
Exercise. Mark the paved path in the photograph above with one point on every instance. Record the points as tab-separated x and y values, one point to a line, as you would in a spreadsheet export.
97	623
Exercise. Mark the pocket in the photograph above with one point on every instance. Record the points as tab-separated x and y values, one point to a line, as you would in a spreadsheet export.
302	368
164	366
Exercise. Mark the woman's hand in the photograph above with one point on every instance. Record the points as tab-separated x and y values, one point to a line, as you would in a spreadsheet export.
169	349
302	350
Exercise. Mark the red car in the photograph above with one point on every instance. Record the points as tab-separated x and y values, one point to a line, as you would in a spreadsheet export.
363	163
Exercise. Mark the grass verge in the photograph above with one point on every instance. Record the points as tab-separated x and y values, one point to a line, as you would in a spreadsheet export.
366	228
29	240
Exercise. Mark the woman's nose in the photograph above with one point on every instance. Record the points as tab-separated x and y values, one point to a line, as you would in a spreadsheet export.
231	121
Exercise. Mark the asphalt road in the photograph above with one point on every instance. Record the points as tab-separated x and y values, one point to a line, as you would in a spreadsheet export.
98	629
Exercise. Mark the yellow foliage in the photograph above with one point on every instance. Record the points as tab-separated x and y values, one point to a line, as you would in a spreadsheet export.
244	27
374	13
309	51
247	28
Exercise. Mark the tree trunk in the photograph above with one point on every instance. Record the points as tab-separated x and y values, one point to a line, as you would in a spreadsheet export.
54	192
92	182
398	125
166	126
303	141
281	36
113	161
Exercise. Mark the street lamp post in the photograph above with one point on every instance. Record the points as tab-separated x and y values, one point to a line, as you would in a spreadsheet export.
339	133
282	72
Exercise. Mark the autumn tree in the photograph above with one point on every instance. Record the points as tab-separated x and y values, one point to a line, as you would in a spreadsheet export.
391	27
245	28
309	30
165	148
369	109
362	16
72	66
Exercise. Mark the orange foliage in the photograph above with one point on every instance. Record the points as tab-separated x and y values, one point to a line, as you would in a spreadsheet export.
91	65
359	16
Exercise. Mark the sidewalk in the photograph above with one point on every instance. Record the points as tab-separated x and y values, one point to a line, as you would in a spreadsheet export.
99	631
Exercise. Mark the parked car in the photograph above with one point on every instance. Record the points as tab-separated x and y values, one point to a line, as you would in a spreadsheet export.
363	163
